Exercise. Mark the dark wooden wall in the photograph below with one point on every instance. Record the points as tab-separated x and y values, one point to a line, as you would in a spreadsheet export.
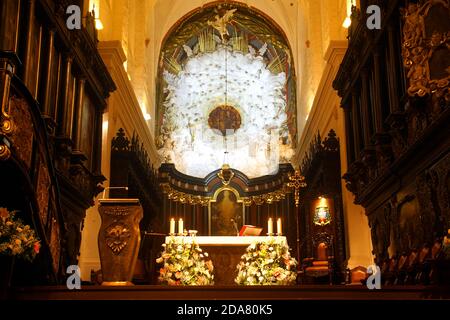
131	168
394	85
321	167
54	87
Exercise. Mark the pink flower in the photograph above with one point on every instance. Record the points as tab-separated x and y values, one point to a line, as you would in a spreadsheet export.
36	247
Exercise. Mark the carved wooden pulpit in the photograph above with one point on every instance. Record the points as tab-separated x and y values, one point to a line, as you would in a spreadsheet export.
119	239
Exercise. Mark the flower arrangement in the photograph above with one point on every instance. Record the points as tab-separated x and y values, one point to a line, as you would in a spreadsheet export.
185	264
267	263
17	239
446	246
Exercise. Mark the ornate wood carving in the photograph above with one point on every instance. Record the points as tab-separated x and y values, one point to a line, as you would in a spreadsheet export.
399	175
407	122
426	48
23	131
43	192
59	183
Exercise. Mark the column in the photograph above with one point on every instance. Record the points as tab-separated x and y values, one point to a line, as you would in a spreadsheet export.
355	121
365	106
97	153
377	107
28	56
349	136
78	123
47	99
66	105
392	72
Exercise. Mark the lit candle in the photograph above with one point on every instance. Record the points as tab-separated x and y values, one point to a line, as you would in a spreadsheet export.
172	226
180	226
270	226
279	229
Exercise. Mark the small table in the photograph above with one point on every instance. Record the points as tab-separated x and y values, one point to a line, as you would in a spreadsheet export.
225	253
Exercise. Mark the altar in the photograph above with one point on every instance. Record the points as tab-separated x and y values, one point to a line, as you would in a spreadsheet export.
225	253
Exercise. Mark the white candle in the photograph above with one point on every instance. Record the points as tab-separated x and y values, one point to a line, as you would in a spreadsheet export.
180	226
270	226
279	229
172	226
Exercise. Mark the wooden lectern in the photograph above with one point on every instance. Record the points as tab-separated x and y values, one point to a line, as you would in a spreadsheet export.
119	239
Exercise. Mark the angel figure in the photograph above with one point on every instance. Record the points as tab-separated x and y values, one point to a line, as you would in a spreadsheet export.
220	24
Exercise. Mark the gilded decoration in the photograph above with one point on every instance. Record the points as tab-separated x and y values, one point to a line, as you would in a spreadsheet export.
5	152
426	49
117	236
178	196
182	197
226	174
297	181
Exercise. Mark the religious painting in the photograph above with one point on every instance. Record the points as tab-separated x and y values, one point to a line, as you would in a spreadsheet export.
224	119
226	214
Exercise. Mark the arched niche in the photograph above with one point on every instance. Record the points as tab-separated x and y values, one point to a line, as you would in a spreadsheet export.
235	57
226	212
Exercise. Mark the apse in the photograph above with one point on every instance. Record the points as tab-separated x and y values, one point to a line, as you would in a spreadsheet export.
226	95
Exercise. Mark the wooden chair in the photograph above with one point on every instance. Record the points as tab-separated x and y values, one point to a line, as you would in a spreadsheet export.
419	269
384	269
358	275
411	267
388	276
429	268
400	273
322	265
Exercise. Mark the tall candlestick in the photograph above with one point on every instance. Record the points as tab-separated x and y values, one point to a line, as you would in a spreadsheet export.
279	228
180	226
172	226
270	226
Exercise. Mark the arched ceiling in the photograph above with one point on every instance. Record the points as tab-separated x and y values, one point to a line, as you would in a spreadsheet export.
229	57
284	12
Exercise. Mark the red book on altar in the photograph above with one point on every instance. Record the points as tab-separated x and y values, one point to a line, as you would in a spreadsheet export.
248	230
